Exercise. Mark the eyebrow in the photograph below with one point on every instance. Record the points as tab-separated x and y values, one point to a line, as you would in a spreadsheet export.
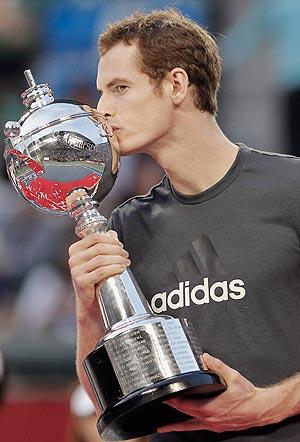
114	82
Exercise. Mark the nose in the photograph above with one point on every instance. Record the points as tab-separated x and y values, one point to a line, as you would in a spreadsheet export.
104	107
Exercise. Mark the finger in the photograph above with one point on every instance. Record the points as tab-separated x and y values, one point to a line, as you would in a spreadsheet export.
192	407
110	237
196	406
98	250
195	425
188	425
219	367
88	280
204	366
106	272
112	233
97	262
91	240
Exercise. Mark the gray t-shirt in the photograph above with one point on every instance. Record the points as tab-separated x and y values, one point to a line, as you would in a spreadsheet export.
228	259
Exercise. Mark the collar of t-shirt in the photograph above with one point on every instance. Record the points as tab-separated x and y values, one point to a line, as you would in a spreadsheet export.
221	185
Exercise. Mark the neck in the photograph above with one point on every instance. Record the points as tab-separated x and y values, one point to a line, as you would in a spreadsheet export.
196	159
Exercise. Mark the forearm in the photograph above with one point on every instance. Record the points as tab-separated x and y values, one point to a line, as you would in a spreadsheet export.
240	406
89	331
283	400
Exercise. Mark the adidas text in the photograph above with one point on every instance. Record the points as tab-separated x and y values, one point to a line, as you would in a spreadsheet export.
184	295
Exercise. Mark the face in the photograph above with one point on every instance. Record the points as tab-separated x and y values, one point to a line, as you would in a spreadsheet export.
140	116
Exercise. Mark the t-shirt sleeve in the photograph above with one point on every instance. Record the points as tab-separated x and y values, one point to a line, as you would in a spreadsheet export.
114	223
110	224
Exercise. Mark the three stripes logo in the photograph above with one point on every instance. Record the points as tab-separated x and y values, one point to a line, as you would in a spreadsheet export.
202	259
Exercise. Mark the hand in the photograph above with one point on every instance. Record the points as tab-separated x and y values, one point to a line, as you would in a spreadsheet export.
240	407
93	259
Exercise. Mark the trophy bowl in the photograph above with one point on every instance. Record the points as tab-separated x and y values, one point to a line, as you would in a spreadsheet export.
56	147
60	157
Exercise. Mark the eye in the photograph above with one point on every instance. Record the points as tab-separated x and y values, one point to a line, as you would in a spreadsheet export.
119	88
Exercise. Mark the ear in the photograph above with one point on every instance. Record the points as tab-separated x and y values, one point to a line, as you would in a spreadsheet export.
178	83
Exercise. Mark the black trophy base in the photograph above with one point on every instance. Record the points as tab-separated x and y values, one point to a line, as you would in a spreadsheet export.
142	412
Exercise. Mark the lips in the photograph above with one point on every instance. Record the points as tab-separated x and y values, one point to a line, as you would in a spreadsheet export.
115	129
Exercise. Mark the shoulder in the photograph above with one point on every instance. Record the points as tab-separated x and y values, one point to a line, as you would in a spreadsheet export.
139	206
274	179
280	161
280	171
143	203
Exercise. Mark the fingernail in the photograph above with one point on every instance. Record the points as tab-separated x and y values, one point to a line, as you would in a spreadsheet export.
206	360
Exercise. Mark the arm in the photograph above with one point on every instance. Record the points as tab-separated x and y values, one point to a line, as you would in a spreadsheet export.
92	260
241	406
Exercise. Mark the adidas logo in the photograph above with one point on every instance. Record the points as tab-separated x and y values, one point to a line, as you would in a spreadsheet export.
184	295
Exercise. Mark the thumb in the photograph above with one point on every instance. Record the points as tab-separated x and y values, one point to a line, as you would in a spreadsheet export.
112	233
218	366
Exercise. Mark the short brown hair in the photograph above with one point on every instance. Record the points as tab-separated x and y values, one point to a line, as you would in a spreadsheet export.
167	39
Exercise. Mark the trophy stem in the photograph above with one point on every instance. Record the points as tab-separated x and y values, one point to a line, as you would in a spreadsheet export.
120	299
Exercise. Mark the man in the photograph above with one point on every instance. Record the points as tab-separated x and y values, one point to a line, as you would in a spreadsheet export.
216	241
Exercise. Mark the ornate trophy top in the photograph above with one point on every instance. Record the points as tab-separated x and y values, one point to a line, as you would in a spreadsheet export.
56	147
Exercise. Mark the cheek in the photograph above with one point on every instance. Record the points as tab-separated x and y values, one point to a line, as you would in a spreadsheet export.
145	120
160	119
157	112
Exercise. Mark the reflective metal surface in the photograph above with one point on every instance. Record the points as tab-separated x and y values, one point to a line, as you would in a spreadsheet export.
56	147
152	351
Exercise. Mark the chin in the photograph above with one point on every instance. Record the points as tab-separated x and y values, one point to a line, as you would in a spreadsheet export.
127	148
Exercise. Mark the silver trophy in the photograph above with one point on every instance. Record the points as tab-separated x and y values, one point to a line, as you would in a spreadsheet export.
60	157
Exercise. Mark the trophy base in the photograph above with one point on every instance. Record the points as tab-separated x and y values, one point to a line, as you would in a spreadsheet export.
134	372
142	412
